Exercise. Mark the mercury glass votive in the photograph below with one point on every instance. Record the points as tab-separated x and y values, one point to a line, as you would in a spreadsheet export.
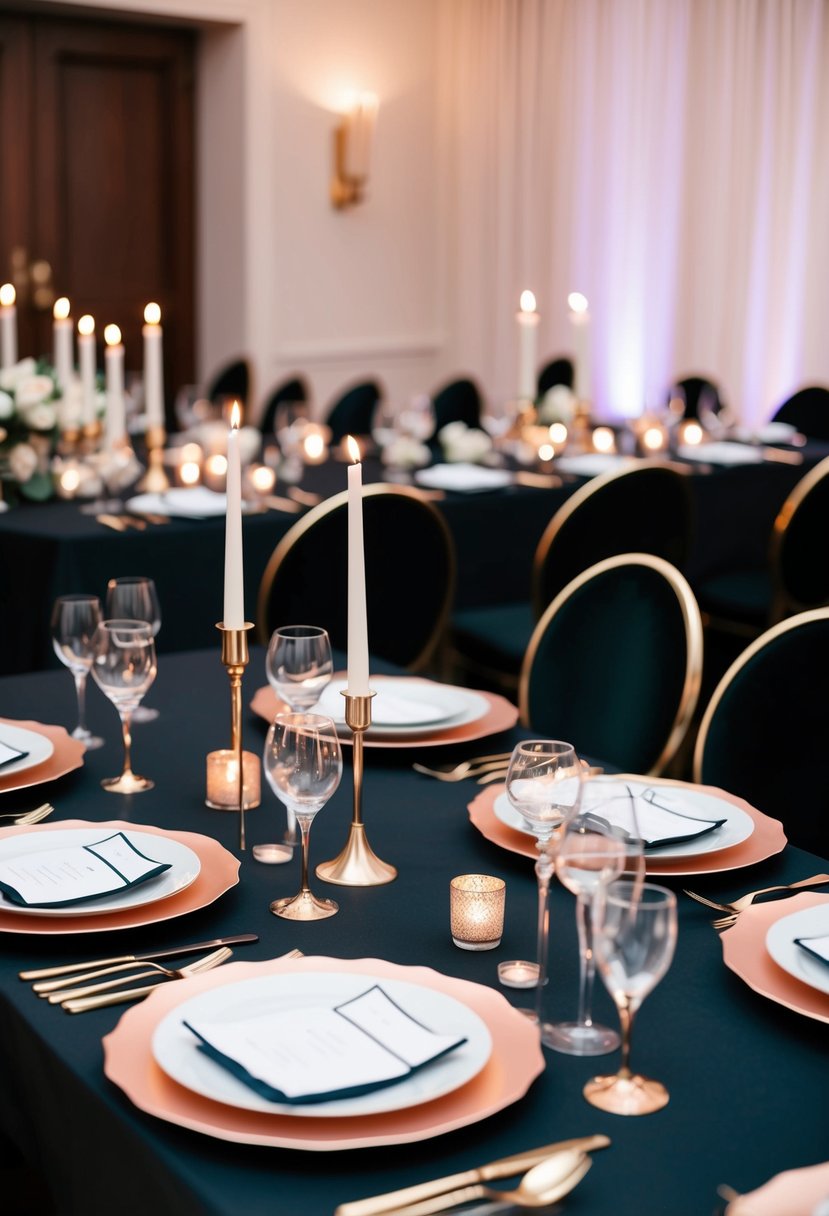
476	911
223	780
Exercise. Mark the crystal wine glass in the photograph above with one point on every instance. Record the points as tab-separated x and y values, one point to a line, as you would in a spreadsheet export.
634	941
303	765
124	667
134	598
544	783
74	621
298	666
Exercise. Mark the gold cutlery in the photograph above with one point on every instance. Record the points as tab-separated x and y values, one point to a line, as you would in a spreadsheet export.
275	503
505	1167
307	498
464	769
72	993
151	517
24	818
112	521
541	481
739	905
45	973
84	1004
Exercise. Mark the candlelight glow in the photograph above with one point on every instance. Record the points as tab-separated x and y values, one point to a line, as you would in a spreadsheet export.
527	302
112	335
603	439
7	295
577	302
216	465
691	432
546	451
653	439
313	446
235	415
191	453
189	472
70	479
353	448
263	479
61	309
152	314
558	433
86	325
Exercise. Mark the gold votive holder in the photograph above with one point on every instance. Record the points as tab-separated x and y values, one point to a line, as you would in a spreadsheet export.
155	480
476	911
235	658
223	780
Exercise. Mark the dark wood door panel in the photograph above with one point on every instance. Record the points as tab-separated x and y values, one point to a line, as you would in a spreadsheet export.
16	232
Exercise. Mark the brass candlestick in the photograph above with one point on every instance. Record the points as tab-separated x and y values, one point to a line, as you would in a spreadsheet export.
155	480
235	656
357	865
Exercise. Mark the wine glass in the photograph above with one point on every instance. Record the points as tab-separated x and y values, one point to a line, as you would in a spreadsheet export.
298	666
135	598
124	667
544	782
74	621
634	941
303	765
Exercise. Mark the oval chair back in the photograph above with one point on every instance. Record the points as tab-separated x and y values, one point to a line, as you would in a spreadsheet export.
700	395
232	380
353	412
410	574
808	410
799	553
615	664
558	371
457	401
763	734
644	509
289	391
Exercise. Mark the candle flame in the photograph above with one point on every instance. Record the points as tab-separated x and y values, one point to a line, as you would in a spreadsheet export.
235	416
61	309
190	473
86	325
653	439
353	448
152	314
603	439
70	479
558	433
7	295
112	335
527	303
577	302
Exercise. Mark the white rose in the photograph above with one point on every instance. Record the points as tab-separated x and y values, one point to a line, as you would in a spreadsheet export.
40	417
10	377
33	390
468	445
406	453
6	405
22	462
452	433
558	405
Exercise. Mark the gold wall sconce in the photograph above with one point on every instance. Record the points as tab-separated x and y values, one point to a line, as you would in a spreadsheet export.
352	151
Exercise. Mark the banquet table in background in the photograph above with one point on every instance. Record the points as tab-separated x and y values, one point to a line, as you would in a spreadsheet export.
53	549
746	1077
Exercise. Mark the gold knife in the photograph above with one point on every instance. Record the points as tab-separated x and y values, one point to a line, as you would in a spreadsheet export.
112	521
45	973
377	1205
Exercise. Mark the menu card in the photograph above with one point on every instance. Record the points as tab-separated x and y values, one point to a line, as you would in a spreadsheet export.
315	1055
9	754
659	822
818	947
51	878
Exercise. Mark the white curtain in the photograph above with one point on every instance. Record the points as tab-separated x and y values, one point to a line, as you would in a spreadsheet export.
667	158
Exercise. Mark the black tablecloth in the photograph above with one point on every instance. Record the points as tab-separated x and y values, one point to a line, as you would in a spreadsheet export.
747	1077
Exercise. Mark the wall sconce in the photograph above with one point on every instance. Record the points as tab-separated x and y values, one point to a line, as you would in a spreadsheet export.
352	151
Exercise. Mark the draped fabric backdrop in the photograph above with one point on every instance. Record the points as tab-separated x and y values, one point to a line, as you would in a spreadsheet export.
668	158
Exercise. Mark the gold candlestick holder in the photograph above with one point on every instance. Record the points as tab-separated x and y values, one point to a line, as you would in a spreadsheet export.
235	657
155	480
357	865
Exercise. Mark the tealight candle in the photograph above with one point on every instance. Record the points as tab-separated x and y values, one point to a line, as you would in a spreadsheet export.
653	439
558	433
313	446
476	911
223	780
189	472
215	472
262	478
517	973
691	432
604	440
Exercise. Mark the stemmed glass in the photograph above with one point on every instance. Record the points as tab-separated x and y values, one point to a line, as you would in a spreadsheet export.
298	665
634	941
124	667
135	598
544	784
303	765
74	621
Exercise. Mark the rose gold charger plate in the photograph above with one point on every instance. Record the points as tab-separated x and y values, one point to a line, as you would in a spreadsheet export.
500	715
767	838
68	754
219	872
514	1063
745	953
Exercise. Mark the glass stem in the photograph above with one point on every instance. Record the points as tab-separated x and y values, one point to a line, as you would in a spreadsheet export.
543	870
587	964
304	822
626	1013
126	728
80	689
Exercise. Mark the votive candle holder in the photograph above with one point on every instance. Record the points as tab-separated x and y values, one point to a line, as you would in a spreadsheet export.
476	911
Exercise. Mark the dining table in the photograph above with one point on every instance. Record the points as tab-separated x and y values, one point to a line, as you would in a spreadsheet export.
746	1075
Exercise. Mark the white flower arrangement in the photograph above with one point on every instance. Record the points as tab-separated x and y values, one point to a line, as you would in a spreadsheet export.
28	428
558	405
405	452
462	444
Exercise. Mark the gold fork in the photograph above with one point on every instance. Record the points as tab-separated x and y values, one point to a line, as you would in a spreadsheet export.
98	999
733	910
23	818
479	764
71	993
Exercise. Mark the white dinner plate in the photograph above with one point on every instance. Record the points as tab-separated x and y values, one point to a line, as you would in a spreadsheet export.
38	747
463	478
184	869
176	1050
738	825
780	943
423	704
195	503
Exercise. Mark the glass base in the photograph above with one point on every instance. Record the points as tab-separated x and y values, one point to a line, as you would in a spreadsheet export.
90	741
626	1095
304	906
575	1039
272	854
144	713
127	783
462	945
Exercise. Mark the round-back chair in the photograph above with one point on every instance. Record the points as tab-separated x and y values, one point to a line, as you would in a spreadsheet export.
557	371
457	401
231	380
288	392
700	395
410	574
615	663
808	410
353	412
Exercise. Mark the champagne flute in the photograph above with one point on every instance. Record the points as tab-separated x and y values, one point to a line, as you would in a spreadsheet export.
635	937
134	598
298	665
124	667
74	621
544	783
303	765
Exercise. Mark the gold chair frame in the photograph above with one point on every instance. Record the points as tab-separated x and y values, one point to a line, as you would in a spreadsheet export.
783	604
692	621
338	502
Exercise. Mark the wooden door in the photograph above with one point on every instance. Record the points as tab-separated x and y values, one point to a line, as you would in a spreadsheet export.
107	145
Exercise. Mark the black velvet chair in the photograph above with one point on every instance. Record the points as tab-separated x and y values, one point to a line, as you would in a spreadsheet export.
615	664
763	734
457	401
646	508
558	371
231	380
289	391
700	396
410	574
808	410
353	412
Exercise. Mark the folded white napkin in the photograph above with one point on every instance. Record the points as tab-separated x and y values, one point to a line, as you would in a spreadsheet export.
591	464
660	816
721	453
387	708
463	478
195	503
